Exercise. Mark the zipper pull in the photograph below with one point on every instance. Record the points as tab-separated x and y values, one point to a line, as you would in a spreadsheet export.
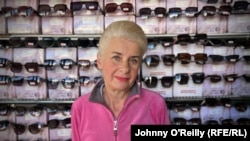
115	127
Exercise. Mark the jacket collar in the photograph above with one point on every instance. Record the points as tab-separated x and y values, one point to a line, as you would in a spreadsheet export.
97	96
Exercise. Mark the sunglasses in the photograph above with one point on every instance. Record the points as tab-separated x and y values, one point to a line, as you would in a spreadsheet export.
85	64
5	110
31	41
229	58
164	41
86	80
19	11
68	83
226	102
199	58
243	43
65	42
31	67
182	78
208	11
55	123
65	64
230	77
4	62
89	5
5	79
35	111
215	42
31	80
194	121
152	60
86	42
225	10
4	124
152	81
3	44
52	109
183	39
125	7
243	121
168	59
240	5
246	77
175	12
211	102
198	77
212	122
158	11
240	106
15	42
179	121
214	78
47	42
45	9
228	121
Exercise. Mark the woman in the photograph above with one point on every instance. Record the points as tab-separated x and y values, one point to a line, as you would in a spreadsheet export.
117	102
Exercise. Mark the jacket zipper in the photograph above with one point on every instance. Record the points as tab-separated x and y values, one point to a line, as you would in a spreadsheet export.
115	128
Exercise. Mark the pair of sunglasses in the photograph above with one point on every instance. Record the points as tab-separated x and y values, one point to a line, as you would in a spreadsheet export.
52	109
89	5
45	9
65	64
154	60
112	7
19	11
86	64
31	67
86	80
35	111
152	81
31	80
229	58
5	79
224	10
158	11
164	41
184	39
175	12
186	58
86	42
230	77
68	83
55	123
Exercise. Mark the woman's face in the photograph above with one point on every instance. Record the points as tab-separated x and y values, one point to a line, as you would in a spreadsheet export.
119	64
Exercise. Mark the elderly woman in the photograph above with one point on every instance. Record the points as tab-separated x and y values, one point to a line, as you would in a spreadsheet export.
117	101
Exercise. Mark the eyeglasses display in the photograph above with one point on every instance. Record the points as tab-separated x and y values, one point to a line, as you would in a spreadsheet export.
125	7
89	5
158	11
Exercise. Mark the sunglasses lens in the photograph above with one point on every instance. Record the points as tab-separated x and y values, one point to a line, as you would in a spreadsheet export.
15	42
20	110
167	81
243	121
111	7
76	6
152	60
174	12
230	77
46	42
31	41
246	77
16	67
212	122
183	39
18	128
198	78
227	122
216	58
4	62
194	121
182	78
66	110
4	110
232	58
52	83
68	83
60	7
150	81
36	111
52	124
200	58
240	106
17	80
168	59
44	8
4	79
185	58
67	122
35	128
160	11
180	121
84	64
33	80
92	5
214	78
3	125
31	67
145	11
208	10
191	11
84	80
50	64
66	64
126	7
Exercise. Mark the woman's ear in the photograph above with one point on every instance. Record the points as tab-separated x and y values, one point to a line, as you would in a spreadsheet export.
99	63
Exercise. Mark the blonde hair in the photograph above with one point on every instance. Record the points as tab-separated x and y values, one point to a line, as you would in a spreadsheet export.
124	29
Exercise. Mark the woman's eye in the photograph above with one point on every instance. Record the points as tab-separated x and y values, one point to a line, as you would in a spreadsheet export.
134	61
117	58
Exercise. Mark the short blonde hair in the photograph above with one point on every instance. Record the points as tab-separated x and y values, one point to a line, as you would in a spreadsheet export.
124	29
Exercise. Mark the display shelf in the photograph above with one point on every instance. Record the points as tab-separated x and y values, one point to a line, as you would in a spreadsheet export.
38	101
221	35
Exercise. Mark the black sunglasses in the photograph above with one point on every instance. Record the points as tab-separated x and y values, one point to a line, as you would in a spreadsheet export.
52	109
31	80
5	79
182	78
87	42
186	58
158	11
89	5
65	64
198	77
152	81
85	80
164	41
125	7
68	83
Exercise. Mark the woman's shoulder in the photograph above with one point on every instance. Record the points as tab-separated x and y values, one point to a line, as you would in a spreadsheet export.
82	99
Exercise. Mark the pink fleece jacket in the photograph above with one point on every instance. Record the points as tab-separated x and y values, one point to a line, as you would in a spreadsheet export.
91	119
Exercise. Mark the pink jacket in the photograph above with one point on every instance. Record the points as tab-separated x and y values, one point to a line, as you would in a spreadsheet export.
91	120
